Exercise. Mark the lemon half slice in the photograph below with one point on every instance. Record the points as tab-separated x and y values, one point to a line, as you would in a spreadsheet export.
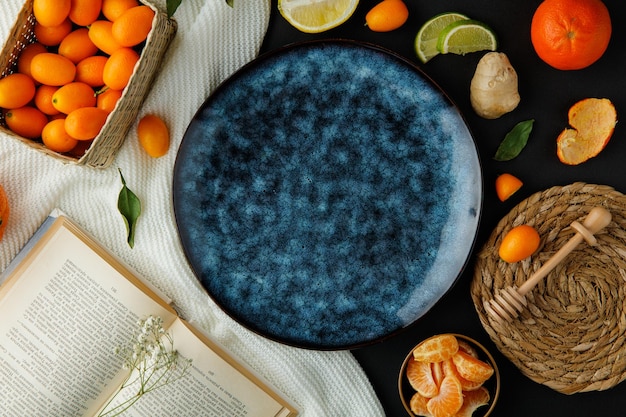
314	16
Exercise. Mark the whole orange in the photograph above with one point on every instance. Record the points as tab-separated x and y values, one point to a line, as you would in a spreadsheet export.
571	34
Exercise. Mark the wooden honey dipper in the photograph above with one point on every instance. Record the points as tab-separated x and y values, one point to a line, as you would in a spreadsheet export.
509	301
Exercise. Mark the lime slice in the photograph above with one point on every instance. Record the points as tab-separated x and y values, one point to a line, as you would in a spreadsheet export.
314	16
465	36
426	39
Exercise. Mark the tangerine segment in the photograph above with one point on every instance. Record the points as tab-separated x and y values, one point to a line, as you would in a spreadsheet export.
449	399
419	405
450	369
467	348
471	368
436	349
421	378
473	400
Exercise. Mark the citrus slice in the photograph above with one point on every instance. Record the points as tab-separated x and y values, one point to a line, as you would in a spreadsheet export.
436	349
471	368
421	378
472	400
427	36
465	36
448	401
314	16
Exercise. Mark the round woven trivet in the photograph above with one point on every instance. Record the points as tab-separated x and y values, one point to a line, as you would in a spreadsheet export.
571	336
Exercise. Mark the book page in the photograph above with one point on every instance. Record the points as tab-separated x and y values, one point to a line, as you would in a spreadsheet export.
64	310
213	386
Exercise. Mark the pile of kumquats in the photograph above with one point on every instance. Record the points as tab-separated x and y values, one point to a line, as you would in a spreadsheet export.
70	78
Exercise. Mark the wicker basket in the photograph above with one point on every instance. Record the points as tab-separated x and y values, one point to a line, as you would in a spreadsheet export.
104	147
572	335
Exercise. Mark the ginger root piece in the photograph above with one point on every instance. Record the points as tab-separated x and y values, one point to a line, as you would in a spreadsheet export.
493	89
592	122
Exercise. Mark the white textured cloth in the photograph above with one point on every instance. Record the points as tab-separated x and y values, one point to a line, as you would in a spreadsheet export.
212	42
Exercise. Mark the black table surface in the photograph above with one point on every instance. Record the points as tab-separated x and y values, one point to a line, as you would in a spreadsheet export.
546	95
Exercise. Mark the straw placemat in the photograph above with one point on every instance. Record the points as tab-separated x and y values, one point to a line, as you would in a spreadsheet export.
570	337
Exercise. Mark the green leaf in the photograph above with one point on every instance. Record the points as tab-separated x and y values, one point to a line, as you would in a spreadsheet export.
172	5
129	206
514	141
231	3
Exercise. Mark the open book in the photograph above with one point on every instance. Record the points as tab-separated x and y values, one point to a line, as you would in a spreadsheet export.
66	304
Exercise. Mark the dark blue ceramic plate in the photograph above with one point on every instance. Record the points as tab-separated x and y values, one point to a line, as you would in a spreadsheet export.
327	194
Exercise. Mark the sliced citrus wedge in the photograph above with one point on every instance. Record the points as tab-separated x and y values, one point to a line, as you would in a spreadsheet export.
314	16
427	36
465	36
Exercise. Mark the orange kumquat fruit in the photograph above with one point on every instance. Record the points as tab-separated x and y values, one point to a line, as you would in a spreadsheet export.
52	35
26	121
387	15
77	46
100	34
112	9
85	123
43	99
154	136
119	68
52	69
26	56
133	26
16	90
107	99
519	243
55	137
91	69
507	185
85	12
51	12
73	96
